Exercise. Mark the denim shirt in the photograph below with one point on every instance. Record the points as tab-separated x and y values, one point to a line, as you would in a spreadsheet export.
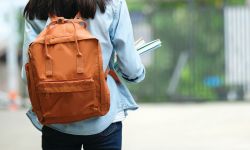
114	31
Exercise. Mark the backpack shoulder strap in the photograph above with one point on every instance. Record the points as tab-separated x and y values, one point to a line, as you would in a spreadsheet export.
113	74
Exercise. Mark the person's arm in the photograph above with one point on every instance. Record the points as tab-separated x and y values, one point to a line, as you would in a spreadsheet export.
129	61
31	29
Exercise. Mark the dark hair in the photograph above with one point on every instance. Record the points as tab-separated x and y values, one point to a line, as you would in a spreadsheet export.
41	9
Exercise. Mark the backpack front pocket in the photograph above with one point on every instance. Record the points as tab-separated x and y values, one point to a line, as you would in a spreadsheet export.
67	99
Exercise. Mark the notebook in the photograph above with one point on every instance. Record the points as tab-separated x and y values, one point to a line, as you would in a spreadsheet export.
142	47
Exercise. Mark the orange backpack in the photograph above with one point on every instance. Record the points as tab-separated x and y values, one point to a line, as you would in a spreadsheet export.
65	76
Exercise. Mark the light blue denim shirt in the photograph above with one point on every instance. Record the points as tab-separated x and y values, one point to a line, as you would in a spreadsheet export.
114	31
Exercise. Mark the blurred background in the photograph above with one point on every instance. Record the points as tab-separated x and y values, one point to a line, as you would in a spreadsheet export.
197	88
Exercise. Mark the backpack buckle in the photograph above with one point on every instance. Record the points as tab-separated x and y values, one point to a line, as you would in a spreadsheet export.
60	20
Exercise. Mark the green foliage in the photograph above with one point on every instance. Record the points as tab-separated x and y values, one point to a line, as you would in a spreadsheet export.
235	2
163	4
196	28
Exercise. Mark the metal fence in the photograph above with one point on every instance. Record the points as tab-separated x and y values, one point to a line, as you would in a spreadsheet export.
204	56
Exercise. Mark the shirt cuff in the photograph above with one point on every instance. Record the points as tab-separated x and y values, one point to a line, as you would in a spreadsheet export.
137	79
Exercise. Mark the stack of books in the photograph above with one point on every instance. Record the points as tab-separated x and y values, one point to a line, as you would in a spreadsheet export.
142	47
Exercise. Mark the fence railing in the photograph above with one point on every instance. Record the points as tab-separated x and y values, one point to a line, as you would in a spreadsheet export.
204	54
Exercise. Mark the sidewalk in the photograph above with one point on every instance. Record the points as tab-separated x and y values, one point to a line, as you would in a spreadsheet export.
214	126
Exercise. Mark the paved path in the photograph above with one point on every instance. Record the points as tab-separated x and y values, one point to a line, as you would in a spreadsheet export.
214	126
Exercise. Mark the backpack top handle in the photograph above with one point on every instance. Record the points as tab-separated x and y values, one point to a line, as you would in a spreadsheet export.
79	57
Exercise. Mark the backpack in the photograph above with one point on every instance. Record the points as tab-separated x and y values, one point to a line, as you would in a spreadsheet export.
65	76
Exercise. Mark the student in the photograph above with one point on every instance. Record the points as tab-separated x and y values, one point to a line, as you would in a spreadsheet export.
109	22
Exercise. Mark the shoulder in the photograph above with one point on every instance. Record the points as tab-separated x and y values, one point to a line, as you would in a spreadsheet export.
115	4
35	24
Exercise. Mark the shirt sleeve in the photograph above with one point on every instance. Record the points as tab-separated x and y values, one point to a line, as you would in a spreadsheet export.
129	61
31	29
